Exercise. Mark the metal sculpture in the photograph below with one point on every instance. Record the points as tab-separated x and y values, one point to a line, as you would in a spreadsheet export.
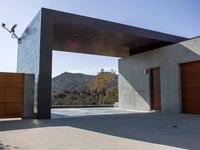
12	32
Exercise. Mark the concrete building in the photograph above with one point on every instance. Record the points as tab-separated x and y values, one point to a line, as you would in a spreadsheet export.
167	79
149	74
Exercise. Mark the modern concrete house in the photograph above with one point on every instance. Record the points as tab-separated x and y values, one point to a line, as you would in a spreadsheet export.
166	79
156	70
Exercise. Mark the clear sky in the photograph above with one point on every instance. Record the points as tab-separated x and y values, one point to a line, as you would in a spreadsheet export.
178	17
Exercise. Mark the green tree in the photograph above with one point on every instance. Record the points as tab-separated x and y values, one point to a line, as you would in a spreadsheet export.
111	95
100	83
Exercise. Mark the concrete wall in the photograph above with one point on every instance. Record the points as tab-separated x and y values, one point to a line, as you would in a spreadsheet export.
28	59
28	105
134	85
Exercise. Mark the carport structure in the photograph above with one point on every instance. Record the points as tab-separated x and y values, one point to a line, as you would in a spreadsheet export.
54	30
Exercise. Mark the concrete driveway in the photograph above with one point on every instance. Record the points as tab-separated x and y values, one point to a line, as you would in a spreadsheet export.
111	132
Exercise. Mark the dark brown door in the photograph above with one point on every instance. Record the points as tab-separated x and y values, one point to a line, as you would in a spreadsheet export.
190	87
155	88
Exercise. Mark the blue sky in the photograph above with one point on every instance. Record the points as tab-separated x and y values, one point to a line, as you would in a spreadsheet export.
178	17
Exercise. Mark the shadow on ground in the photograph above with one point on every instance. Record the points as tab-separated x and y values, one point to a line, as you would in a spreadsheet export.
177	130
7	147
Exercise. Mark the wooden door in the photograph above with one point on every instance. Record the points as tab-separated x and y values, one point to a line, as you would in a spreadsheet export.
155	89
190	87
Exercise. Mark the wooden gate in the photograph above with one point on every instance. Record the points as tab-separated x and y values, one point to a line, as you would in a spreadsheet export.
11	95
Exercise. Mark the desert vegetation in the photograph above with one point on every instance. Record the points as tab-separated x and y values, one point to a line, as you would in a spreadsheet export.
84	90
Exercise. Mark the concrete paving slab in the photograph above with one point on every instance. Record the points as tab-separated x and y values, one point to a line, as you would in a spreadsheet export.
144	131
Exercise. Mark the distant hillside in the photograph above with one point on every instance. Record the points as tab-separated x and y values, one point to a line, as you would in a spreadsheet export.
70	82
71	89
73	82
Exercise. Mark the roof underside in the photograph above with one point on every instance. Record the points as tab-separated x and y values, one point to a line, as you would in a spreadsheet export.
74	33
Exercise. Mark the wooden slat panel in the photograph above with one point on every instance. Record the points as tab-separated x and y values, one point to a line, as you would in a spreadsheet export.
14	95
11	95
2	110
190	80
13	110
190	87
14	80
2	80
2	94
191	94
189	68
191	107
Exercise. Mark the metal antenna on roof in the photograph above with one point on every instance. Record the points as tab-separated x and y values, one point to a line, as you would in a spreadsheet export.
12	32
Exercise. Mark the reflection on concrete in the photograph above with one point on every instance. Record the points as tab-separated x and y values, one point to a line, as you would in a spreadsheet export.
75	112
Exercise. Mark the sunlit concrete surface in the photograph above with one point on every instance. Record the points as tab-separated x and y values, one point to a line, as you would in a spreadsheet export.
140	131
76	112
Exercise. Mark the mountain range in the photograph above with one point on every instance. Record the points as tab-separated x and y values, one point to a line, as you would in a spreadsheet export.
73	82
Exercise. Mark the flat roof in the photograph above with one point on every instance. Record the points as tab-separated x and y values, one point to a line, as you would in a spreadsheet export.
75	33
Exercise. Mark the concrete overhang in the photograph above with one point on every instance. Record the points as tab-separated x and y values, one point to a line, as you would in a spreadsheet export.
75	33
